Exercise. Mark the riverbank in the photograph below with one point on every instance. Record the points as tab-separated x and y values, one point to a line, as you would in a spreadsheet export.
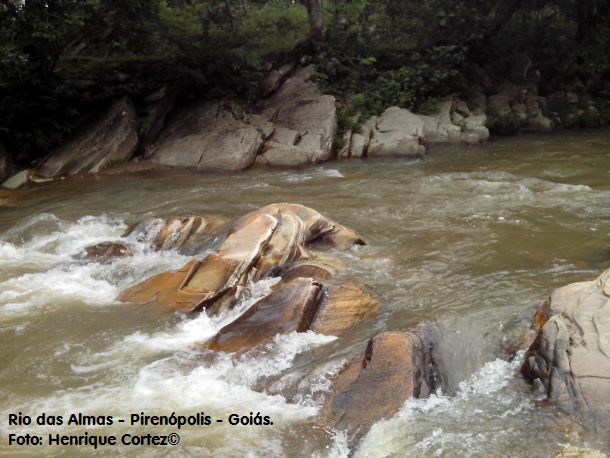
292	125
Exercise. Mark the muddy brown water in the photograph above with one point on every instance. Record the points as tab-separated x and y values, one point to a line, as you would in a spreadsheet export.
469	238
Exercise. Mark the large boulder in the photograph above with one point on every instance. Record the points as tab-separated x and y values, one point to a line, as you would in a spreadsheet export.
341	308
297	305
23	178
454	122
397	132
395	366
258	245
571	354
110	138
208	135
305	122
290	307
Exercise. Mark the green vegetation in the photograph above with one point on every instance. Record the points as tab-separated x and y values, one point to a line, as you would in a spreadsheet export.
60	60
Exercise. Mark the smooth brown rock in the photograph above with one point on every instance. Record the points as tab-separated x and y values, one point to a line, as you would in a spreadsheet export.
396	366
231	268
258	244
287	244
289	308
318	228
109	139
107	251
342	308
319	269
164	290
571	354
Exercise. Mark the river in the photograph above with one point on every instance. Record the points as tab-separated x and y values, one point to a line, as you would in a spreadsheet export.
469	238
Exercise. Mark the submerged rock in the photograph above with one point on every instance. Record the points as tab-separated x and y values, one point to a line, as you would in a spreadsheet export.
396	366
185	234
571	354
257	245
23	178
110	138
107	251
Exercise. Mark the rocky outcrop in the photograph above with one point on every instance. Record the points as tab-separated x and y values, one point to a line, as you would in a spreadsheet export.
571	354
397	132
208	135
396	366
257	245
295	126
111	138
305	123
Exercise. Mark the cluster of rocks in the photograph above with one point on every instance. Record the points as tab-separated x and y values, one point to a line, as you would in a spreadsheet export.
400	132
186	234
288	241
293	124
568	361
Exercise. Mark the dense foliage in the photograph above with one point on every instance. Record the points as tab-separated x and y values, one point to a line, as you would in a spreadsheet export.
59	59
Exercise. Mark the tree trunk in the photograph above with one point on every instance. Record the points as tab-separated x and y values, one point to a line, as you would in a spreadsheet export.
317	31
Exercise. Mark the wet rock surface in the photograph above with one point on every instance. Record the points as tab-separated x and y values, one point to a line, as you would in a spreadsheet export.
258	244
571	353
290	307
282	240
396	366
110	138
187	234
341	308
107	251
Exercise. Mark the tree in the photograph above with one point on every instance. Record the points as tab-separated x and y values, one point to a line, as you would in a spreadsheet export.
317	30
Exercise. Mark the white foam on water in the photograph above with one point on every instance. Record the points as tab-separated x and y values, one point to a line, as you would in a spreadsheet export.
71	284
339	447
447	426
40	265
190	331
331	173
